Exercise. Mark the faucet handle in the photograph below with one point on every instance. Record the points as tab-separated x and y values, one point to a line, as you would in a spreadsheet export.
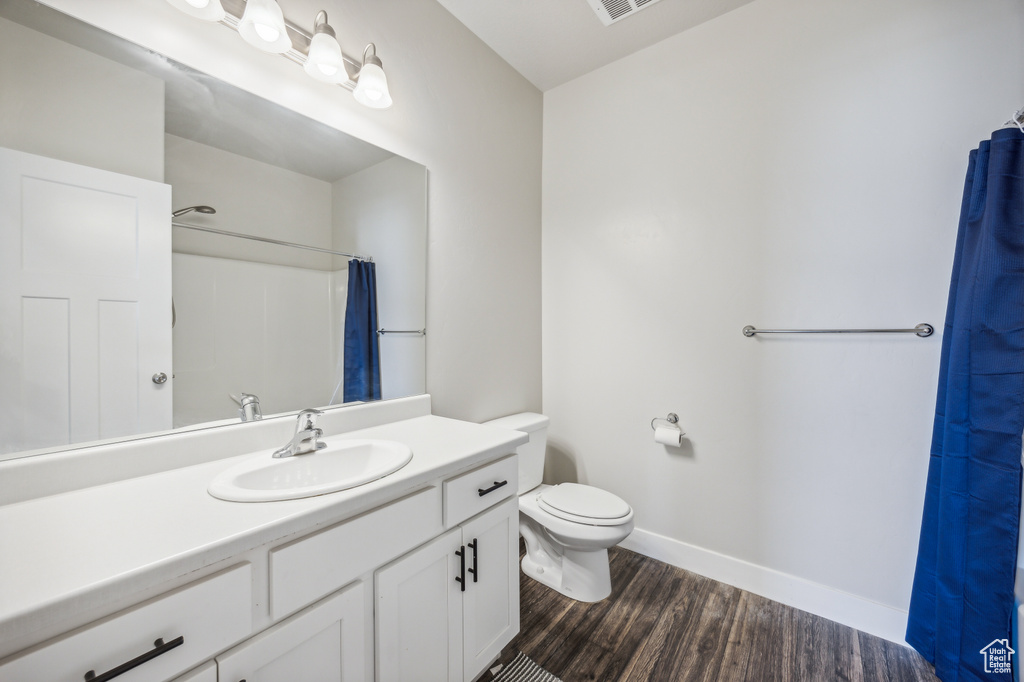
307	419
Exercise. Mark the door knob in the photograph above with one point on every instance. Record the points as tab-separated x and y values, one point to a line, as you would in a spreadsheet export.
160	378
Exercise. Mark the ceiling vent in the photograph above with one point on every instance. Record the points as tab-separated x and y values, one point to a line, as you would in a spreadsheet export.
610	11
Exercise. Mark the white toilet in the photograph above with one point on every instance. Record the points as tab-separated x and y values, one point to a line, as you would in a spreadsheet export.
568	527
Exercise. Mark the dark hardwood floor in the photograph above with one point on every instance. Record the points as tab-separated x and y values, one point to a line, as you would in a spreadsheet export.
666	624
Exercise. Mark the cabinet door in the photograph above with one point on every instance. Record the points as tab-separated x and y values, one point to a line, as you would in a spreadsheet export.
323	643
419	614
204	673
491	601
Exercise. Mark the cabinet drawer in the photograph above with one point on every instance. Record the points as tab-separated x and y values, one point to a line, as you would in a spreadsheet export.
469	494
316	565
208	615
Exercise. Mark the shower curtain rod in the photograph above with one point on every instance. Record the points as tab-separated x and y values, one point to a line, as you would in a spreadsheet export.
1017	120
201	228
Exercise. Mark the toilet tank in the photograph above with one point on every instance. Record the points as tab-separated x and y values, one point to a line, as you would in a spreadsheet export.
531	455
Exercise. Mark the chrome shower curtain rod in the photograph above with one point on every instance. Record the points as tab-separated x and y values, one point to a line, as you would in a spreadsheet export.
201	228
1017	120
923	330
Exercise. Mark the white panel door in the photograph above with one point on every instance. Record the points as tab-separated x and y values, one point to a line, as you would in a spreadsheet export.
85	303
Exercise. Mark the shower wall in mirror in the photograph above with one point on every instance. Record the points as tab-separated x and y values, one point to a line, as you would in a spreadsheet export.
248	316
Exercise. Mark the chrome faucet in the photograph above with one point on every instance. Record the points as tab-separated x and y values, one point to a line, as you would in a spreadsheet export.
306	438
250	408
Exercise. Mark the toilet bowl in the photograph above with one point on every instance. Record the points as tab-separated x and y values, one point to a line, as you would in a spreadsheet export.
568	527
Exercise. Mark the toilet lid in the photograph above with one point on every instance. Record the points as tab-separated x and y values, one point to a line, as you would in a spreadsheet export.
583	504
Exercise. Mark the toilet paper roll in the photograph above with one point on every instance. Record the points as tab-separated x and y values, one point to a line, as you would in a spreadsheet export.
668	436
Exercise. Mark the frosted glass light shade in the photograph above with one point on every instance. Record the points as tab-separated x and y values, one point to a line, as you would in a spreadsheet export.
262	26
207	10
372	87
324	62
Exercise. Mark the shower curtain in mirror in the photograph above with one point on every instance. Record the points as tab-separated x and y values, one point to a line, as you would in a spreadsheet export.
962	599
362	351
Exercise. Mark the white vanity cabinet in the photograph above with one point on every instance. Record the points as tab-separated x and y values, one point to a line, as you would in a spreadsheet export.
422	587
445	610
155	640
204	673
490	604
323	643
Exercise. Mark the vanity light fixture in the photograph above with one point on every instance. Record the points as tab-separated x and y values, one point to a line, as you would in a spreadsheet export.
208	10
371	82
262	24
324	62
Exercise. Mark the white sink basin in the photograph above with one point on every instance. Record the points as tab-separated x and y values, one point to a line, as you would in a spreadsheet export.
341	465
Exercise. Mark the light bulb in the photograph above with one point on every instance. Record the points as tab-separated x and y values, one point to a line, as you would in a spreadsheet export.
267	32
324	61
262	26
372	87
208	10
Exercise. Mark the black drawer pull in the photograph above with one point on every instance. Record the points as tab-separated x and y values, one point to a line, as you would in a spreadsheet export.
473	570
159	649
494	487
461	578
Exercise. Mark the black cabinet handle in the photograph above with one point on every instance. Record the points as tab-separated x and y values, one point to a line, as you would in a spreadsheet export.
159	649
474	569
494	487
461	578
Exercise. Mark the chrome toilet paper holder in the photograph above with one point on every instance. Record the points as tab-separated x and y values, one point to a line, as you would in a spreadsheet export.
672	419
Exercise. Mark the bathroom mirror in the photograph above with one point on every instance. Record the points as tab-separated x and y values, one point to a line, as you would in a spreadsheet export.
240	316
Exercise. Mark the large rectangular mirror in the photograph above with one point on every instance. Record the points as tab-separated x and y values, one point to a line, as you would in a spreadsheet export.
118	320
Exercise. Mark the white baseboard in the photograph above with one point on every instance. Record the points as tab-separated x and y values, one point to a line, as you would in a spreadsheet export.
848	609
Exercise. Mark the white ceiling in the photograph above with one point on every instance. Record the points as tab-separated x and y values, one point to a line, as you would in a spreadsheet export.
552	42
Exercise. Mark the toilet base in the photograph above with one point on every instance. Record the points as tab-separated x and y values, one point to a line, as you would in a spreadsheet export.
583	576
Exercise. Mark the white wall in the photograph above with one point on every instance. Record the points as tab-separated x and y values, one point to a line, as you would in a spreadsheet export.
251	197
791	164
66	103
259	328
460	111
381	211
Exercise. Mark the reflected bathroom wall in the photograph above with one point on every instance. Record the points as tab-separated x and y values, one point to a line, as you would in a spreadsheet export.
380	211
269	320
244	327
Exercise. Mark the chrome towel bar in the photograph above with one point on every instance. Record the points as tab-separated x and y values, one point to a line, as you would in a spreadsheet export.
923	330
418	332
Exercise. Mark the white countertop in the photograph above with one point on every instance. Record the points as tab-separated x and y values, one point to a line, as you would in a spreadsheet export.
71	553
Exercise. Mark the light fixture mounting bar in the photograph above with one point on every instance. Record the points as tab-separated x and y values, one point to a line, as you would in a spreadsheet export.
300	39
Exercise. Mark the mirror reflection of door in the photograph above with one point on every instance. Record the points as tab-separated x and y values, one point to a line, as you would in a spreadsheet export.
85	303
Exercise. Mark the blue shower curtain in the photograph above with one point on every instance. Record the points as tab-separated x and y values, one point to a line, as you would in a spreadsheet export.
362	351
962	598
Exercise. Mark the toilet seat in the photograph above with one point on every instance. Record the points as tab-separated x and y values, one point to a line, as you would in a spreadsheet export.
584	504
